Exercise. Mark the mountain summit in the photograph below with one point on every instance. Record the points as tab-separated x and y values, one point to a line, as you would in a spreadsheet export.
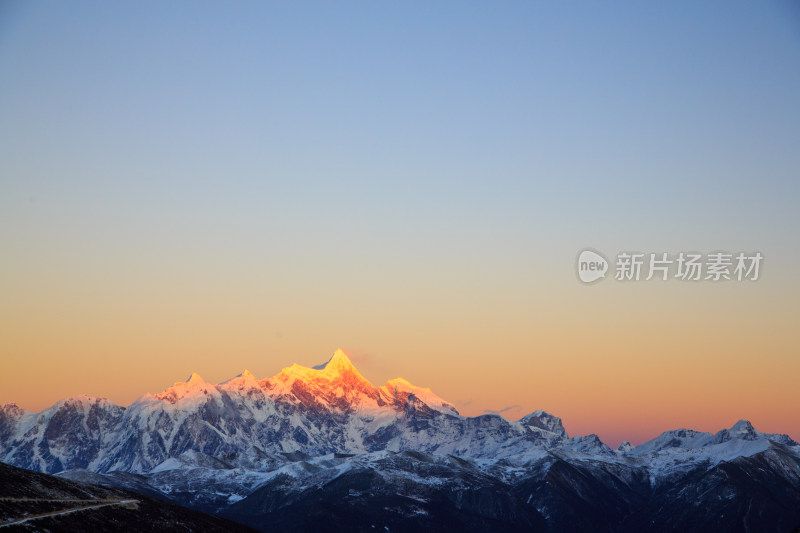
339	362
335	384
193	388
339	366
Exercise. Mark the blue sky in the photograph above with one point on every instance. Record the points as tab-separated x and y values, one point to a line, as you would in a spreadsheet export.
410	164
528	110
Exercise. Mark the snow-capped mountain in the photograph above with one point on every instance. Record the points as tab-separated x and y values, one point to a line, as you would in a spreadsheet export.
331	408
258	447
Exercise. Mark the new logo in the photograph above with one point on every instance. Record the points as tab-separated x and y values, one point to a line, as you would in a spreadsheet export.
591	266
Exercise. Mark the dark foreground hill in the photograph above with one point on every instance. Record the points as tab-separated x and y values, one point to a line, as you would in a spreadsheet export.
40	502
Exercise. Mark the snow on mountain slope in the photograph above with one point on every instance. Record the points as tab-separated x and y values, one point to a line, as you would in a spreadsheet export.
326	434
683	439
678	451
188	393
546	425
741	439
334	387
64	436
246	424
398	387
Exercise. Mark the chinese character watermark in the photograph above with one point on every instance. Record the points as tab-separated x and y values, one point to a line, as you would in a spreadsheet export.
717	266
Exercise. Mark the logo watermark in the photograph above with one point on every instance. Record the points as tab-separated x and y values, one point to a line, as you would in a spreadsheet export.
683	266
591	266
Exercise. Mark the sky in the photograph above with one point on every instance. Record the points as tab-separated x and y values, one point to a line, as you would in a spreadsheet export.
207	187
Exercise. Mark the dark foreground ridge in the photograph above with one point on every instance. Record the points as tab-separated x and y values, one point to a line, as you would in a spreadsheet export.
40	502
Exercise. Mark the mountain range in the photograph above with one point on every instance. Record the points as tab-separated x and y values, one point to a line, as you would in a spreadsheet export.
323	449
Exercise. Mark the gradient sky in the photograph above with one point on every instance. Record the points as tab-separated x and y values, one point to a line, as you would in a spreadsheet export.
217	186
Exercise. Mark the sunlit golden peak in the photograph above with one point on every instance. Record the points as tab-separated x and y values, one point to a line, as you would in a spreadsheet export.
339	360
338	366
195	379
